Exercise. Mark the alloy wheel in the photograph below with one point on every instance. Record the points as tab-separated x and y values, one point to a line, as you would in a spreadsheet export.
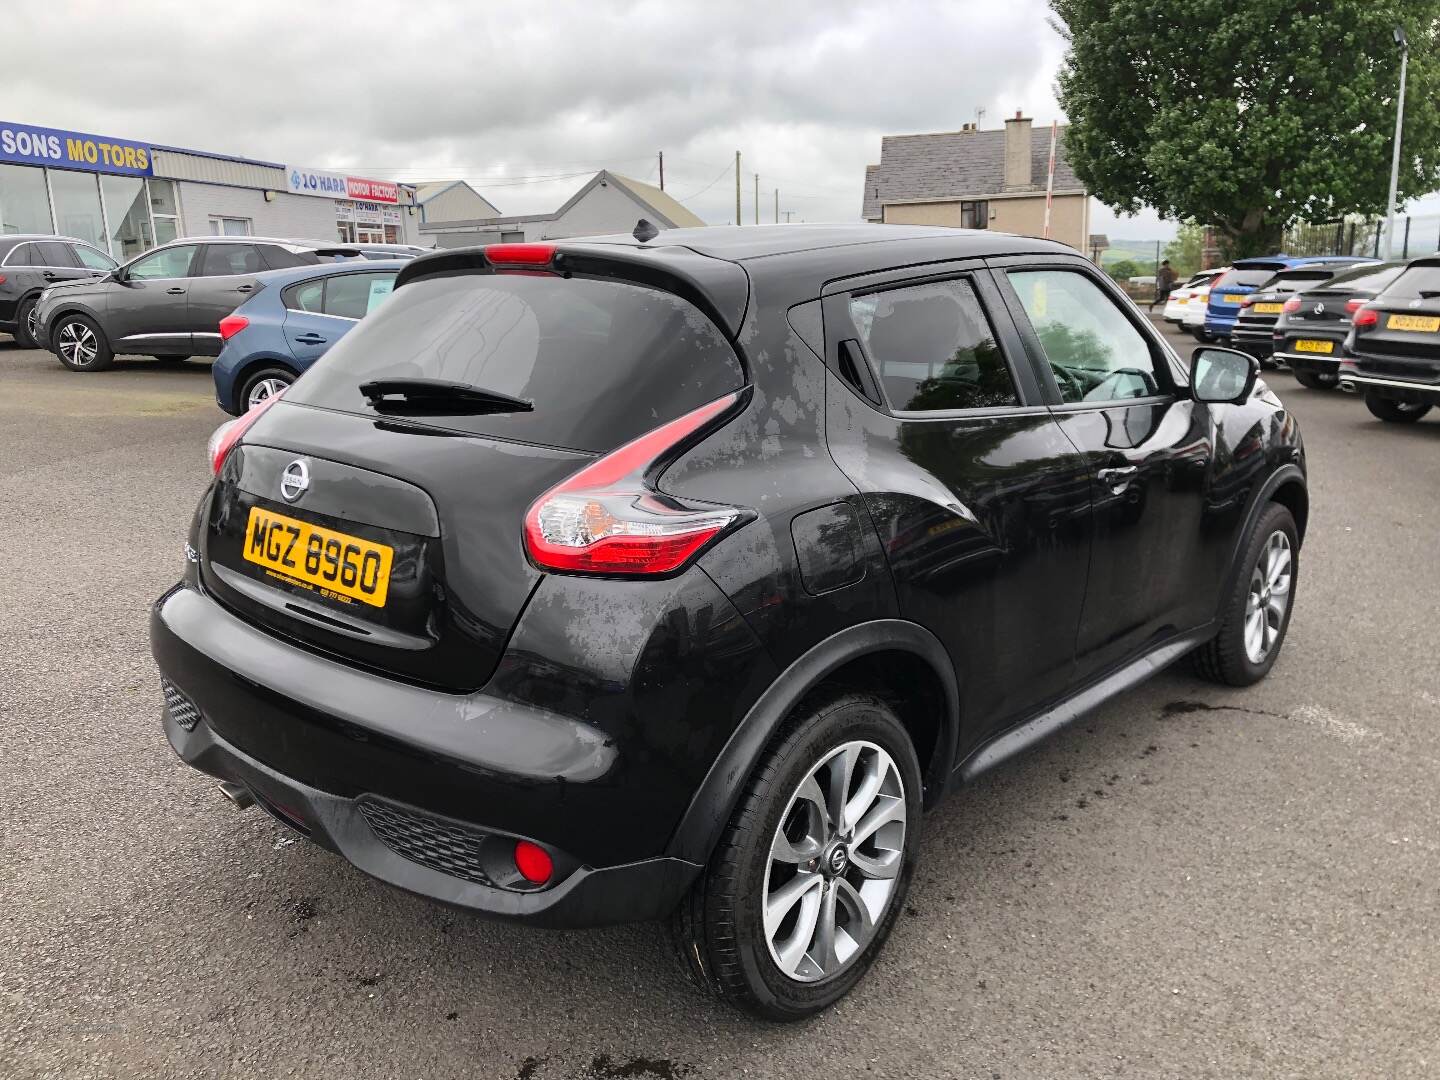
263	390
32	323
834	862
78	343
1268	598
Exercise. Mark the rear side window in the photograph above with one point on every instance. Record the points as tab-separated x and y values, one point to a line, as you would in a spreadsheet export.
23	255
603	361
353	296
279	258
307	296
933	348
225	260
55	254
1416	283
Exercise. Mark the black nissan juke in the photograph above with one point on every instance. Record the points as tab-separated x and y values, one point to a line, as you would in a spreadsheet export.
675	576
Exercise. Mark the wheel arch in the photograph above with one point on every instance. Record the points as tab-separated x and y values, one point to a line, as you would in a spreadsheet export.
71	309
1285	486
252	364
900	659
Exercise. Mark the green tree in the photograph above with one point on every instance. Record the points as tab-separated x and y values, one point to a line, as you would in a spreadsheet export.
1249	116
1184	251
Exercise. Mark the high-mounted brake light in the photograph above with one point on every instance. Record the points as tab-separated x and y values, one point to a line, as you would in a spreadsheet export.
606	519
224	438
1366	317
520	254
1352	306
1293	304
231	325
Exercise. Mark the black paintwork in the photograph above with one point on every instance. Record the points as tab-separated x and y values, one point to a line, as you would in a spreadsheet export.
32	263
1395	363
974	565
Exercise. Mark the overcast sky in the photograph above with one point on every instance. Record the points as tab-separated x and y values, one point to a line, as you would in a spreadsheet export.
525	100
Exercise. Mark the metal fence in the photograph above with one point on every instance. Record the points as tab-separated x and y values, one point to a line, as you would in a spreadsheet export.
1413	236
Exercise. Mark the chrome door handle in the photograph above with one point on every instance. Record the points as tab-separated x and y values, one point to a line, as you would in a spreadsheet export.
1117	478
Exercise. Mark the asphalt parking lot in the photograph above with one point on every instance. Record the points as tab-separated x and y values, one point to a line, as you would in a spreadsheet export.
1193	882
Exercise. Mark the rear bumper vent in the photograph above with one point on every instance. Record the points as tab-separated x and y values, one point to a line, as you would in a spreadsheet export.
431	842
181	709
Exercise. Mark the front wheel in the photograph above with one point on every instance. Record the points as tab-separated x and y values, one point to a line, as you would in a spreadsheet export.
1395	412
81	345
1314	380
810	875
1256	614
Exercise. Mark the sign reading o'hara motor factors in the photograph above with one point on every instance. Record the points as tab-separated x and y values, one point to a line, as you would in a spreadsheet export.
333	185
27	144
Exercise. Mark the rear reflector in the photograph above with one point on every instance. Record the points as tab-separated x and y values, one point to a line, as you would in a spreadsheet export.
607	519
231	325
520	254
533	862
224	438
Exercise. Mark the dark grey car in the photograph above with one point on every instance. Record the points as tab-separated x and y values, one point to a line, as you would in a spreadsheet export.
31	263
167	303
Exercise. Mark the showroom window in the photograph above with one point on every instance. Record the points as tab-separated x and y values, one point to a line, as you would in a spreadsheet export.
128	213
24	202
76	199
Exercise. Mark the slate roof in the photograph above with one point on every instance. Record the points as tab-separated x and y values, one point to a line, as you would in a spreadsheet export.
957	165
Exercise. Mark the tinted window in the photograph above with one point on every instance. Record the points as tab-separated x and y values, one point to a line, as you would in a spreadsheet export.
230	259
92	259
307	296
1293	280
1095	352
1244	277
933	347
353	296
23	255
1367	278
166	263
55	254
603	361
1415	281
278	258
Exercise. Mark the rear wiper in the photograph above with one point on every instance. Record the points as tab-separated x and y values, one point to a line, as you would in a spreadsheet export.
438	398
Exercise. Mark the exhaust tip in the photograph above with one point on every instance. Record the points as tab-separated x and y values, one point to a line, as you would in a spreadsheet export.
1347	386
238	794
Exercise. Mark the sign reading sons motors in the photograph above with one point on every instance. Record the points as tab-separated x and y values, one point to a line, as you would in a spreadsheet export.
30	145
333	185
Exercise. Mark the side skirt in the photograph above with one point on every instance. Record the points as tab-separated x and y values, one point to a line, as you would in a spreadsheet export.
1041	726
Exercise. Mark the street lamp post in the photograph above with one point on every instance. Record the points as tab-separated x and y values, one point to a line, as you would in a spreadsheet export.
1404	45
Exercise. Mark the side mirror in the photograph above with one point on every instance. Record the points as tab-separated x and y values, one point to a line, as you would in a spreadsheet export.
118	275
1222	376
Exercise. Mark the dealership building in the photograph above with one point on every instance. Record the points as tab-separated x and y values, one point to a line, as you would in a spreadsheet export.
125	196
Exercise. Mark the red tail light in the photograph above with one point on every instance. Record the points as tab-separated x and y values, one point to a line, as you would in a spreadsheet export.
231	325
224	438
1366	317
1293	304
520	254
1352	306
606	519
2	279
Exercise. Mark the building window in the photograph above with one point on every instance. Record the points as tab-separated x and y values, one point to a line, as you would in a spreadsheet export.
164	209
975	215
230	226
24	203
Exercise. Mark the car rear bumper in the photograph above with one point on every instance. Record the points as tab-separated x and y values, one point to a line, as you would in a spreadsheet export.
1318	363
1258	343
1220	326
1402	389
357	777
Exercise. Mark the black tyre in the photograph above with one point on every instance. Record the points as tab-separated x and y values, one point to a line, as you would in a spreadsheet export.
810	875
1395	412
25	324
1256	614
1199	334
81	345
1314	380
261	384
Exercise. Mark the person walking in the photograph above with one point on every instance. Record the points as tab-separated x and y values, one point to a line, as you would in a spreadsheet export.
1164	282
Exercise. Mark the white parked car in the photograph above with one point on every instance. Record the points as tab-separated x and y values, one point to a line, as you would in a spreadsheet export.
1193	318
1182	297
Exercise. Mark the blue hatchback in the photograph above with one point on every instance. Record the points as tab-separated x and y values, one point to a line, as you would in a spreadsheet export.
1245	276
291	322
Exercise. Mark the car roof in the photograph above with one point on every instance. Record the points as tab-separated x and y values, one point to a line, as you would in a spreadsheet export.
329	269
11	240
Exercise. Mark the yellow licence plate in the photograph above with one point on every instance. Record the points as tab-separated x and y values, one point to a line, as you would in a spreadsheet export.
1232	298
1268	309
336	565
1424	323
1315	346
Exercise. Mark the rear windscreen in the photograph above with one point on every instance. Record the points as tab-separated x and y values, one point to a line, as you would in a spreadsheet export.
1417	282
1368	278
1245	277
602	361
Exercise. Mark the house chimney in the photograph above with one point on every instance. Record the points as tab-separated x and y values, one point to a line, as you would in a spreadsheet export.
1017	152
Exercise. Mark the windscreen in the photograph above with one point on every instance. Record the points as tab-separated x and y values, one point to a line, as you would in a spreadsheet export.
602	361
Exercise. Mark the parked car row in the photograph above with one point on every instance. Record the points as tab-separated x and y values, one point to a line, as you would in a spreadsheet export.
1363	325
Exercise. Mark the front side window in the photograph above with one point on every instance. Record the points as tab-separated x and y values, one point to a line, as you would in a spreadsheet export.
933	348
1094	351
172	262
228	260
91	259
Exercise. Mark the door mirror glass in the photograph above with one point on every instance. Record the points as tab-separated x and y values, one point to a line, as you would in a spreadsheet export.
1222	375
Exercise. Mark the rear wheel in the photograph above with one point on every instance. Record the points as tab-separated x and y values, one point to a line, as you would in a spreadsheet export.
811	872
1314	380
1199	334
26	326
81	345
1395	412
1257	611
263	385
